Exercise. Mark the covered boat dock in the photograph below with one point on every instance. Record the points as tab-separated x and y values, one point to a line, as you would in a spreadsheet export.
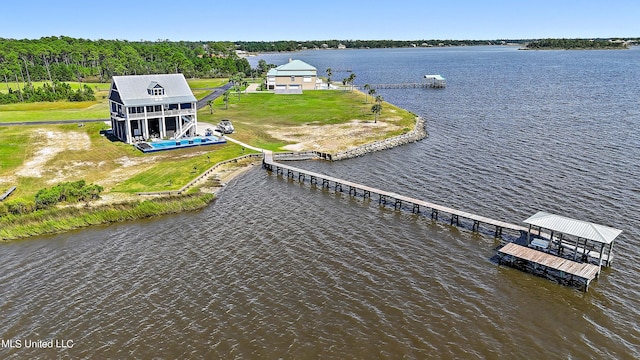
562	247
436	81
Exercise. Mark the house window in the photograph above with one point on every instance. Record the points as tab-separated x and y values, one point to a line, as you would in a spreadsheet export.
155	89
136	110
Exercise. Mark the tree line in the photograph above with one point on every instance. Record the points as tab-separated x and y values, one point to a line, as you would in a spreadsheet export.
47	92
290	45
577	44
62	58
69	59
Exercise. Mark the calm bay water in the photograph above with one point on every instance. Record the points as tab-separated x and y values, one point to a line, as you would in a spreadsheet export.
275	269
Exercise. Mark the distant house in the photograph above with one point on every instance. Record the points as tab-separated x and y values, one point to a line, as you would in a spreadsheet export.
152	106
294	75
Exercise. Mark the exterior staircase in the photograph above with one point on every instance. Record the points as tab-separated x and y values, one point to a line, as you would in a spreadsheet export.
188	125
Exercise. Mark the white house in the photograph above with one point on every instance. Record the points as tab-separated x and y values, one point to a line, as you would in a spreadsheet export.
152	106
294	75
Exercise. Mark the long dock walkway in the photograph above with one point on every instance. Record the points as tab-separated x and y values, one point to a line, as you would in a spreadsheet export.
569	272
385	196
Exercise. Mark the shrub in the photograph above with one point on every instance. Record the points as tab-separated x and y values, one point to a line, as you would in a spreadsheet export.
18	207
71	192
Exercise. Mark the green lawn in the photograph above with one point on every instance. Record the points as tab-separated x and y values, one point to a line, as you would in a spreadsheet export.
97	87
255	113
206	83
60	110
175	172
20	144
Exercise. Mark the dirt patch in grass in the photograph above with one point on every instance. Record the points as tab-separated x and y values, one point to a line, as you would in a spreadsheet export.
47	145
331	138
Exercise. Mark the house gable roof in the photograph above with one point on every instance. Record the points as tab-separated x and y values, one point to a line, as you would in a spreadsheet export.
132	90
293	68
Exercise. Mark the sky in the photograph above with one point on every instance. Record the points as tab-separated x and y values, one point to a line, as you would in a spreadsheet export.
249	20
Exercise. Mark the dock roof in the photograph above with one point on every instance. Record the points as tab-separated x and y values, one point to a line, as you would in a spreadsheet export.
579	228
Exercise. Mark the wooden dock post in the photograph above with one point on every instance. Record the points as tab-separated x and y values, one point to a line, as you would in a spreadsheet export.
434	214
313	180
338	185
398	204
325	183
352	188
455	218
416	209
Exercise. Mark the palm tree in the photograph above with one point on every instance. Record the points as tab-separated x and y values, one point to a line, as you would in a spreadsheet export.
210	103
372	92
376	110
225	98
329	73
351	79
366	88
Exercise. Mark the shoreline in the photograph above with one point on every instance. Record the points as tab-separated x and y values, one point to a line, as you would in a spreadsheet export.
69	218
196	195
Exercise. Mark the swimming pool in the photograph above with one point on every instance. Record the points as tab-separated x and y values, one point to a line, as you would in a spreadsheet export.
161	145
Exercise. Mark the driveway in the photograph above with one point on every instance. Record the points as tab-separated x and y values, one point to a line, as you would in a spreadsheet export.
217	92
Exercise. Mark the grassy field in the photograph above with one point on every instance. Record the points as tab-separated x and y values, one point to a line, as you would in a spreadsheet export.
206	83
255	114
117	166
175	172
97	87
59	110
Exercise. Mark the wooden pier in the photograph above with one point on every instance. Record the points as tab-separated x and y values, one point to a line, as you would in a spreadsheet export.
542	263
386	197
396	86
432	81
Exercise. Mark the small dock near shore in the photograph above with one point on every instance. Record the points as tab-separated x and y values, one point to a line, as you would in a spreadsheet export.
540	253
431	82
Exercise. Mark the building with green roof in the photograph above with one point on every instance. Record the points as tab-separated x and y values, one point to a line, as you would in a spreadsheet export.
296	75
